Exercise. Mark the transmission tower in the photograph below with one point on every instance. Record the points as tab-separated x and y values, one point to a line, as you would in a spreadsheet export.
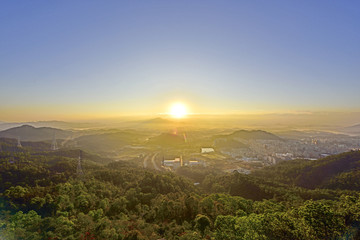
19	143
79	170
54	143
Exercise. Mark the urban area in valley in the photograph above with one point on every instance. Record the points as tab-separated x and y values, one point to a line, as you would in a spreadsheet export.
167	144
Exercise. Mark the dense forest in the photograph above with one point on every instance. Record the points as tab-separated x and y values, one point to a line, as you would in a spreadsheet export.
43	197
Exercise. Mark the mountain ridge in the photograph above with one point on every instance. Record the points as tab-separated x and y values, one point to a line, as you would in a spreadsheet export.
30	133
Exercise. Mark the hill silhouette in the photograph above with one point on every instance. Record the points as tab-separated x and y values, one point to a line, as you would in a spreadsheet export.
158	120
355	129
30	133
109	141
167	139
249	135
233	140
254	134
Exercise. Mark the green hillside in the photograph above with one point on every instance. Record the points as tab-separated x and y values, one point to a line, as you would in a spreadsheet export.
331	172
42	197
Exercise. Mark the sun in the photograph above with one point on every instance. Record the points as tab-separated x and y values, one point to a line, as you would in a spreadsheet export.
178	110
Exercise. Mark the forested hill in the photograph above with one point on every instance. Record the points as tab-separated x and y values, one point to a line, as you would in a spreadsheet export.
43	197
254	134
249	135
335	172
30	133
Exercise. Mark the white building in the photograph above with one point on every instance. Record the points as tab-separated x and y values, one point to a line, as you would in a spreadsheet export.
207	150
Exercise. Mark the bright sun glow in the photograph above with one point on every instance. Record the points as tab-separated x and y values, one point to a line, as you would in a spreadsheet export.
178	110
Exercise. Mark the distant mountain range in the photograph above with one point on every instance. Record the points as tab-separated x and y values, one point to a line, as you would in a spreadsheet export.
53	124
355	129
250	135
158	120
30	133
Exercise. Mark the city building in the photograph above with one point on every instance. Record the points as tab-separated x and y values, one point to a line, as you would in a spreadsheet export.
207	150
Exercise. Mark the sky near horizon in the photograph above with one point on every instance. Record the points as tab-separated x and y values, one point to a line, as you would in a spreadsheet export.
76	59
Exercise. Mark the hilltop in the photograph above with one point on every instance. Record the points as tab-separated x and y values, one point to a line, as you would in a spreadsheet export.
168	139
233	140
30	133
250	135
109	141
254	134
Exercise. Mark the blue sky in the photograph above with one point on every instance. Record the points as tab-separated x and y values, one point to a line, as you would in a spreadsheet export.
62	59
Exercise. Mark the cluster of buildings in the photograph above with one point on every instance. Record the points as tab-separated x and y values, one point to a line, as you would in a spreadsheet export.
274	151
259	152
177	162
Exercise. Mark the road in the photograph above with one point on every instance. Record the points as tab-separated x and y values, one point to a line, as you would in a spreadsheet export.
153	162
153	158
146	158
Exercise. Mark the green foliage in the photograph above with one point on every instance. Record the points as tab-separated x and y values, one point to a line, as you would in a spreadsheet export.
202	222
338	171
319	221
21	226
122	201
